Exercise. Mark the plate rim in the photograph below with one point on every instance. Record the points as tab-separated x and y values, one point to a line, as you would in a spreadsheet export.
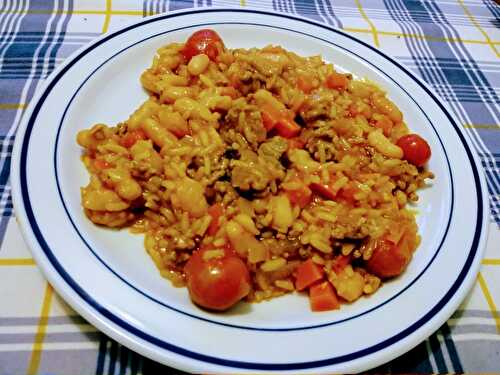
48	269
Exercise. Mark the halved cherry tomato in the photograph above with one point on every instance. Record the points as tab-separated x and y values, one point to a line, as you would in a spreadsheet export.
216	278
215	211
415	149
205	41
322	297
389	259
131	137
337	81
306	274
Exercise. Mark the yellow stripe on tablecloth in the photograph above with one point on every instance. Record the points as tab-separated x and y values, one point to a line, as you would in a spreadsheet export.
481	30
12	106
491	262
140	13
107	19
482	126
418	36
489	300
373	29
36	352
243	3
17	262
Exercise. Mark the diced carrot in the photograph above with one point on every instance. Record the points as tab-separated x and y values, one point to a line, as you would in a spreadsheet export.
305	84
215	211
101	164
131	137
268	121
337	81
295	143
300	197
322	297
287	127
340	262
270	116
323	190
307	273
274	118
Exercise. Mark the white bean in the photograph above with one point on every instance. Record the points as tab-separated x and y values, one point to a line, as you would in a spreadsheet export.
379	141
198	64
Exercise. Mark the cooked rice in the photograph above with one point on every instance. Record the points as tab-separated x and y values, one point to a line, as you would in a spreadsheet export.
203	143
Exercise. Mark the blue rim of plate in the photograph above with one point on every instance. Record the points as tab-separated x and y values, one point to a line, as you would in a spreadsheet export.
129	284
215	360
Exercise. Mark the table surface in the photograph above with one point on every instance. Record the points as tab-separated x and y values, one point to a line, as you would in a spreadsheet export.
454	45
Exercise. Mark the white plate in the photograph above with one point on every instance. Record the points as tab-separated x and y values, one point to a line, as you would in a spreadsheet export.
109	279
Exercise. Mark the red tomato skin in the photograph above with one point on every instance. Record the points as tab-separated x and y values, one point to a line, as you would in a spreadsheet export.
217	283
388	259
416	150
205	41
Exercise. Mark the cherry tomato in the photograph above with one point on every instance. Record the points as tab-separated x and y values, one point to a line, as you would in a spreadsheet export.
216	278
416	149
389	259
204	41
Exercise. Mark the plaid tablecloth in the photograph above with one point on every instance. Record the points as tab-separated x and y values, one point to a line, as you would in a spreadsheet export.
454	45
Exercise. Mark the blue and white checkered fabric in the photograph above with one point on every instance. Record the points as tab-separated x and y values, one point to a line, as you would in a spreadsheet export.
454	45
